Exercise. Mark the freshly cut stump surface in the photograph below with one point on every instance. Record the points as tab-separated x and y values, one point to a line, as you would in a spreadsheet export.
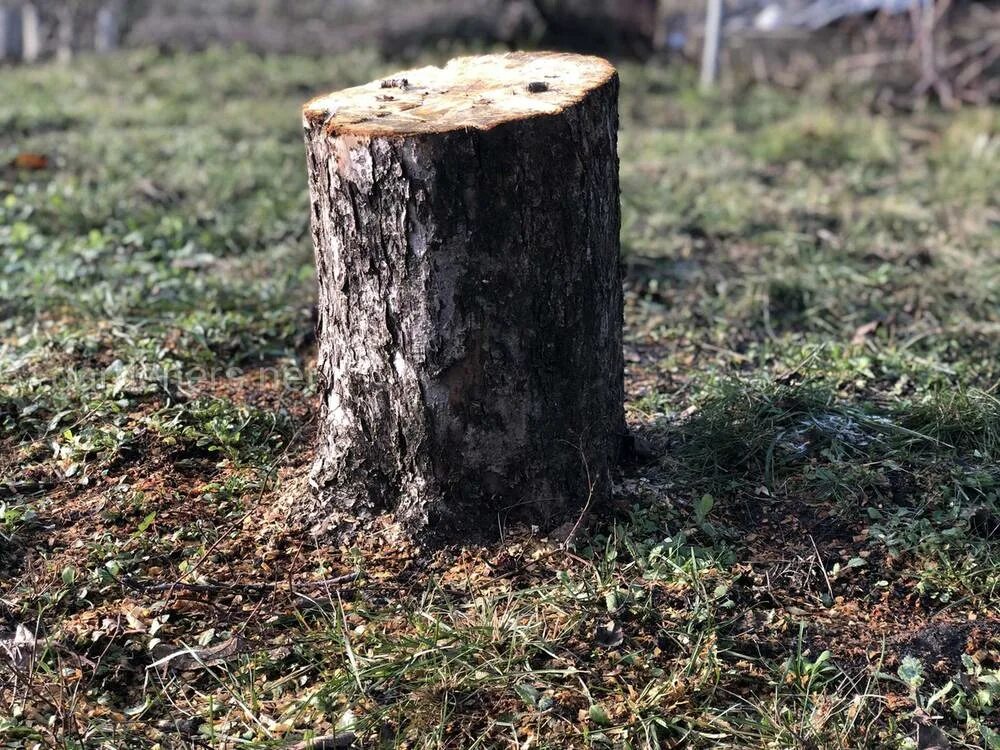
465	221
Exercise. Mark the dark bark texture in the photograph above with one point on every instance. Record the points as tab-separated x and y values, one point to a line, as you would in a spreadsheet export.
470	320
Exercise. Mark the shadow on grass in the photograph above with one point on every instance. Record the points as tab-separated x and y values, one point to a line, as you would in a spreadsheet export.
793	469
761	432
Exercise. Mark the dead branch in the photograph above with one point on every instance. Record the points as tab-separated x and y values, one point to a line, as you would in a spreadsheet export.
211	587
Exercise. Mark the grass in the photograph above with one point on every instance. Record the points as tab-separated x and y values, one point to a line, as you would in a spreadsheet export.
809	558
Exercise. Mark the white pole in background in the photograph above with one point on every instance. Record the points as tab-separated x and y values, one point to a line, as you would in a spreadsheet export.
31	34
106	27
713	39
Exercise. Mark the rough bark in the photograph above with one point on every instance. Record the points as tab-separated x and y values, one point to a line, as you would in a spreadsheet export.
466	222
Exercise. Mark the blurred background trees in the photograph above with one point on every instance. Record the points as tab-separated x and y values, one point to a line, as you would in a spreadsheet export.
916	49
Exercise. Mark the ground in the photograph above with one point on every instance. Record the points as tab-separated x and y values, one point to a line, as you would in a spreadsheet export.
804	555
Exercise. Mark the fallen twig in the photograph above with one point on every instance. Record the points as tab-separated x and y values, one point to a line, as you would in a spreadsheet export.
13	489
189	658
326	742
211	587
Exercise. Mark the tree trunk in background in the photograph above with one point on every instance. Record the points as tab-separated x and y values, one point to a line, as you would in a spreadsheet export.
614	26
10	33
107	27
65	33
398	28
465	221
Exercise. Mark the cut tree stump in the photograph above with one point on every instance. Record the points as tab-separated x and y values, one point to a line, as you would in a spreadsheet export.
465	221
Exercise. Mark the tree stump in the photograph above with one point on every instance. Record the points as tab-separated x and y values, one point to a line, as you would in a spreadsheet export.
465	221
